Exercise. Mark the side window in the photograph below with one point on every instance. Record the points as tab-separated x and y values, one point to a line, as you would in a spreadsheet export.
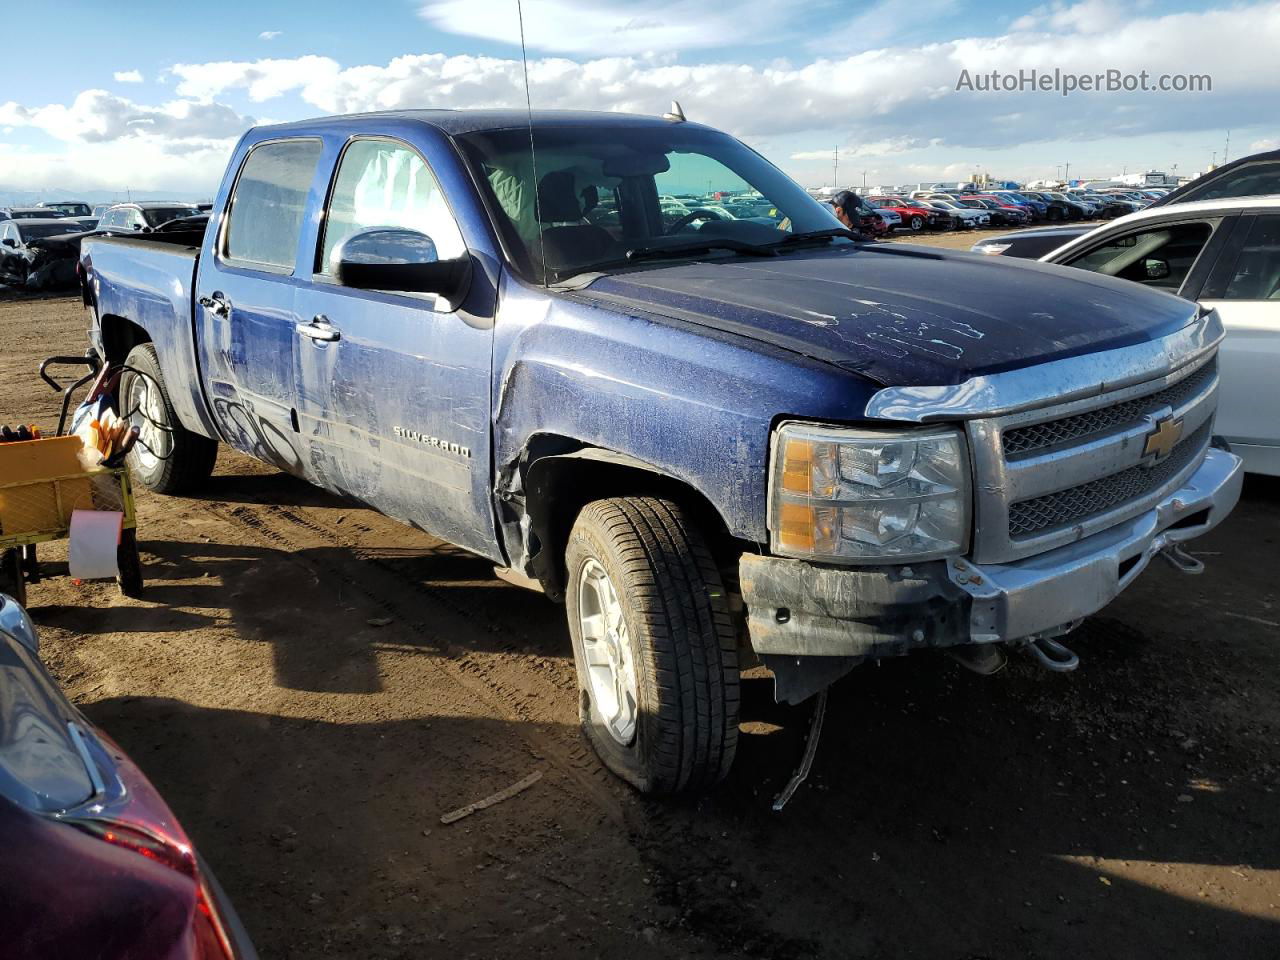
386	184
1159	256
1256	273
269	203
1249	180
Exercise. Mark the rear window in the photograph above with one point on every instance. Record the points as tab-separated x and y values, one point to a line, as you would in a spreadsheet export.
269	202
35	231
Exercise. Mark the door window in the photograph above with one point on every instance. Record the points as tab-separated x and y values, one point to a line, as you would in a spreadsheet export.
269	203
385	184
1157	256
1256	273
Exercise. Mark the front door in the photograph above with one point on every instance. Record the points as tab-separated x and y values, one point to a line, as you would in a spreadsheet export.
393	388
245	302
1245	290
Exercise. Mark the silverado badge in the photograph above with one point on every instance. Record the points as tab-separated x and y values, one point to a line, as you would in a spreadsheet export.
1164	436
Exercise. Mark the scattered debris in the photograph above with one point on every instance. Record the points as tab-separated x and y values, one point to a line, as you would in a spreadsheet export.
493	798
379	621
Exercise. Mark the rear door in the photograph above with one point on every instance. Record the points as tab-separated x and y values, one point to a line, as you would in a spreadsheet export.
1245	290
245	292
394	387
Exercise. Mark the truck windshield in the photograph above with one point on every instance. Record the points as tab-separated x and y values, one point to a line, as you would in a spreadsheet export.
606	193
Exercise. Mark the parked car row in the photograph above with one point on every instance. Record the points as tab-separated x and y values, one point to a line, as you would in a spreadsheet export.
39	245
1216	241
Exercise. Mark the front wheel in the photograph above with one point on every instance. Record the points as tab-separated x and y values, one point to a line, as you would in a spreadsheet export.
654	645
916	222
168	458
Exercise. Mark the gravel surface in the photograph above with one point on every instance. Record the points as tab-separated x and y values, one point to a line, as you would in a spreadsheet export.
312	686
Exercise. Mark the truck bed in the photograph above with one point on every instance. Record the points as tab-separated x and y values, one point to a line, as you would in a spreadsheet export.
149	278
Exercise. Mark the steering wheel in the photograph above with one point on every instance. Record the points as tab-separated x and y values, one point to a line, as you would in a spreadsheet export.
700	214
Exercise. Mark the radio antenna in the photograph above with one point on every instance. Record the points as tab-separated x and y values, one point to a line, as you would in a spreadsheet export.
533	154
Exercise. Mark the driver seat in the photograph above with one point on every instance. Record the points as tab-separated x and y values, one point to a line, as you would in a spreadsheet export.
567	237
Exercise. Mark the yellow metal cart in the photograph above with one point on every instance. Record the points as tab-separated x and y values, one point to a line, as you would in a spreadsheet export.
41	484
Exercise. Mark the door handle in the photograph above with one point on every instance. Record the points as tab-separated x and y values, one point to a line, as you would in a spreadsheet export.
319	329
216	303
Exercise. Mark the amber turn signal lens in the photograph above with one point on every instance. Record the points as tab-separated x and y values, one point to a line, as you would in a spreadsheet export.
797	466
796	527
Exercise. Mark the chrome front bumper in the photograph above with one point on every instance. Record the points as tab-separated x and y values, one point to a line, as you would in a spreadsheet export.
799	609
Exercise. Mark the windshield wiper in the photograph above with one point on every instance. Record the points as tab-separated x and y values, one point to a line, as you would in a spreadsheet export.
816	236
699	246
640	254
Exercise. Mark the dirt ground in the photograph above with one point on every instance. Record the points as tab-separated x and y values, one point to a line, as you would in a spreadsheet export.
311	686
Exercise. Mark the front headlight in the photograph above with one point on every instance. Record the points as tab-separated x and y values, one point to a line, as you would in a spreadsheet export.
844	494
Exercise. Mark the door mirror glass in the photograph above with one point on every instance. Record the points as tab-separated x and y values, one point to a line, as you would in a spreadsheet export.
1156	269
9	242
398	260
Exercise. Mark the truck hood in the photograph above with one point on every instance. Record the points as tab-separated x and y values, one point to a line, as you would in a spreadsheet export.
901	315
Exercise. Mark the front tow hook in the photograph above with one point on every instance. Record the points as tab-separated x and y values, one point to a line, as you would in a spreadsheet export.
1179	559
1052	655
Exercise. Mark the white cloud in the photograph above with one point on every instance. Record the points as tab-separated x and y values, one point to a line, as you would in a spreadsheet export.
263	79
270	34
142	164
128	76
620	27
877	95
96	116
895	105
1260	146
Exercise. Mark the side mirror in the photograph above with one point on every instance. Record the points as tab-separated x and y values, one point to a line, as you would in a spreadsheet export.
1156	269
398	260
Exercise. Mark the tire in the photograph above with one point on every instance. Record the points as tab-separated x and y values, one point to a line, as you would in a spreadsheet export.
679	640
129	579
183	459
916	222
12	581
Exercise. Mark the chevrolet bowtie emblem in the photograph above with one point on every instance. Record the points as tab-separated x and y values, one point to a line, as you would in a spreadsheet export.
1163	437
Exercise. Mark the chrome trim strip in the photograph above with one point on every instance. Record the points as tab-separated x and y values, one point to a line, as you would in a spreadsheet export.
1059	381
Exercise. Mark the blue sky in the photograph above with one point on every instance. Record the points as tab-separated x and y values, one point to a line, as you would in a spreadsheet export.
153	103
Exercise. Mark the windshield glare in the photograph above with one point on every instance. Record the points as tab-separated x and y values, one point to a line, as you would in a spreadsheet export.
606	191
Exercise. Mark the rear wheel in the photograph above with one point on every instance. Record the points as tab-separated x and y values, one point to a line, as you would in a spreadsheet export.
167	458
654	645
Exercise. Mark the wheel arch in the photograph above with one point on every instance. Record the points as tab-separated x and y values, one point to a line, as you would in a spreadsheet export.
119	336
560	475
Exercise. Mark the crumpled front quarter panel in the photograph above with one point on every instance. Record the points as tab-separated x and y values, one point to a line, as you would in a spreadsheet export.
698	405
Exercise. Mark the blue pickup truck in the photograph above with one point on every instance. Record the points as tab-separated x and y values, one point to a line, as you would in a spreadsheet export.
719	441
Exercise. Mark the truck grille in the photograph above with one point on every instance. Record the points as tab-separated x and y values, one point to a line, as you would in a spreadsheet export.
1053	475
1105	494
1023	441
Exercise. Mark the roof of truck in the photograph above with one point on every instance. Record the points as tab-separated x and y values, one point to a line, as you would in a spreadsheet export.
472	121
